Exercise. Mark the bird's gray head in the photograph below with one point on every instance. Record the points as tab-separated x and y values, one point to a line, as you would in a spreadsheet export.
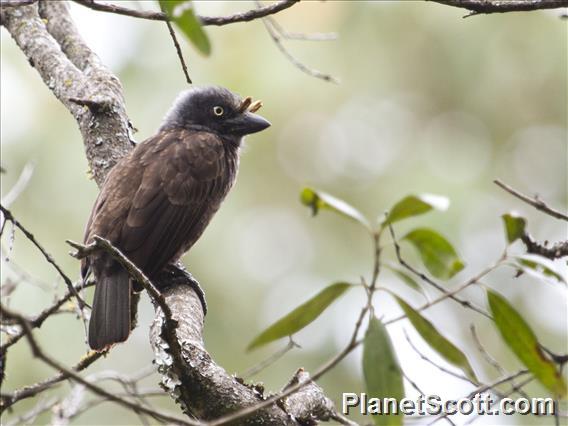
217	110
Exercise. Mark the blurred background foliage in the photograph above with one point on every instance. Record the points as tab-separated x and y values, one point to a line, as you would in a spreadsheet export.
428	102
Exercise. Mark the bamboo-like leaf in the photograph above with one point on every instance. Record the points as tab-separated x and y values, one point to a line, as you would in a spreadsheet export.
439	343
381	369
318	200
414	205
437	254
538	267
514	226
182	14
301	316
522	340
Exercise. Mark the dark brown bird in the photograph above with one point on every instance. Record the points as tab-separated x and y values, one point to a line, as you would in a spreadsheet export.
157	200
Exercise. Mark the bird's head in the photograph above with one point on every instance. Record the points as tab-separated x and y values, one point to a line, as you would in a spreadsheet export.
215	109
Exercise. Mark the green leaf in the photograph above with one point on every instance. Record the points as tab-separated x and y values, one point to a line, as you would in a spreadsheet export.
383	376
522	340
436	253
439	343
514	226
181	13
405	278
414	205
301	316
318	200
538	268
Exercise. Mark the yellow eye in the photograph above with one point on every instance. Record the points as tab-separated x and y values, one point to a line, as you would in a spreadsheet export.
218	111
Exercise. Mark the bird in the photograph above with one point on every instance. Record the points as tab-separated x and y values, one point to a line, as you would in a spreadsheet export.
158	199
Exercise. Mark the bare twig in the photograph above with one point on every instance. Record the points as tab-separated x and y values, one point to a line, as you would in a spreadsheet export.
29	417
300	36
439	367
247	16
46	313
19	186
10	399
178	48
179	52
491	386
446	294
488	357
255	369
9	216
74	406
535	202
274	34
491	360
142	393
502	6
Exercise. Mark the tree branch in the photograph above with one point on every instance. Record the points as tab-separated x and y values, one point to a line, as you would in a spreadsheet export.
247	16
535	202
502	6
556	251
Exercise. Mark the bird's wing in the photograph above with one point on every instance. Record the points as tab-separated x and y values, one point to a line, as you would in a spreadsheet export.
175	198
112	204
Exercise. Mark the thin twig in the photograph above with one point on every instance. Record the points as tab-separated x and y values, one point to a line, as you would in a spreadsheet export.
535	202
446	294
179	52
46	313
141	394
19	186
486	387
10	399
255	369
439	367
8	215
129	384
247	16
300	36
29	417
133	270
276	38
488	357
473	280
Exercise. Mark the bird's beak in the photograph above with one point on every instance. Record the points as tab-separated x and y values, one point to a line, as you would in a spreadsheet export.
248	123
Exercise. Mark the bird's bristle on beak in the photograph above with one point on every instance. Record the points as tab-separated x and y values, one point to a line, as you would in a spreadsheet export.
248	104
255	106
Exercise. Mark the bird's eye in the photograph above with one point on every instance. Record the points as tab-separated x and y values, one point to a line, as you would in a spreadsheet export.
218	111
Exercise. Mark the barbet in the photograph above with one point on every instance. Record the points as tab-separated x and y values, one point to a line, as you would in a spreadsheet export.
157	200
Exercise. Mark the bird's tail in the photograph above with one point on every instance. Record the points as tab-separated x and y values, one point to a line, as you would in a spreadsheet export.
110	317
